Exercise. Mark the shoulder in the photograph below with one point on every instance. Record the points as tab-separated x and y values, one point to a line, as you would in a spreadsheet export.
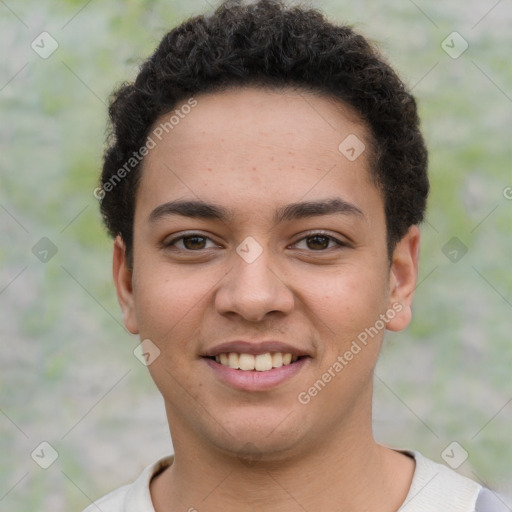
134	497
112	502
434	486
488	501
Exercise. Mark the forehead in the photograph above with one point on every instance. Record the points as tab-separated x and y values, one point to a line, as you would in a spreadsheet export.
252	145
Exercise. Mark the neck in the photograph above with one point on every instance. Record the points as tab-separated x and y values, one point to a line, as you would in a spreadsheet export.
347	470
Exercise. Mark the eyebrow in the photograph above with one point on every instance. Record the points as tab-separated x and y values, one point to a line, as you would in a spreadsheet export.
293	211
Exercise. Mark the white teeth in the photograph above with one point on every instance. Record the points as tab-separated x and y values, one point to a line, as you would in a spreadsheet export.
246	362
263	362
260	362
233	360
277	360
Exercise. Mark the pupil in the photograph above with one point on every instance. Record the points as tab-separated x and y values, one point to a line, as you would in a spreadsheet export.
320	241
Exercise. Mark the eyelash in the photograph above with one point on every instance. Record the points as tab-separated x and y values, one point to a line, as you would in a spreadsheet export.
339	243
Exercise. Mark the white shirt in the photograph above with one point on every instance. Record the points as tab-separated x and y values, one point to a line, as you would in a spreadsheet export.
434	488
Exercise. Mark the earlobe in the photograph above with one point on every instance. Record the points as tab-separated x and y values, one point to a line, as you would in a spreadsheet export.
403	277
122	275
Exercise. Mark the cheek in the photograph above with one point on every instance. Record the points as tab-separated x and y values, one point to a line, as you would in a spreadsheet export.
170	308
344	309
346	298
169	303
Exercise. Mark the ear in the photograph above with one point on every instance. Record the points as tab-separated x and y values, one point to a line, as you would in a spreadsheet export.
402	279
123	281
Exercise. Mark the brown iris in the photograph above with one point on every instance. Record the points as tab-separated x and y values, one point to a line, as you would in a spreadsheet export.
319	242
194	242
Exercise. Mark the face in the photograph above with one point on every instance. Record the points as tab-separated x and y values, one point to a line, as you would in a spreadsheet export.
258	243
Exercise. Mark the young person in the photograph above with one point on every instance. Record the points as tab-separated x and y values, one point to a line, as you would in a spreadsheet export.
264	184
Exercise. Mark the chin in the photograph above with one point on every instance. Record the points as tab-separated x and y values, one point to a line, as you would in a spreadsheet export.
255	438
257	450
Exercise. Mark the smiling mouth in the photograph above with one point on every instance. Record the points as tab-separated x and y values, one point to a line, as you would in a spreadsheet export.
259	363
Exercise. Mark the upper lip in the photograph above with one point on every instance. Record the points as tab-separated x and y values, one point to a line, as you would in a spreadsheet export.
254	348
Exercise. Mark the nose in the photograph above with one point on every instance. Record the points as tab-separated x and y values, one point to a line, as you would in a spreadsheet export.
253	289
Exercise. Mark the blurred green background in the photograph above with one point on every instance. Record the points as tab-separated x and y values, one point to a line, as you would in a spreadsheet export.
67	371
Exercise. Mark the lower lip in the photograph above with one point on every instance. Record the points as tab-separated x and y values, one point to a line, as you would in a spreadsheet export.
253	380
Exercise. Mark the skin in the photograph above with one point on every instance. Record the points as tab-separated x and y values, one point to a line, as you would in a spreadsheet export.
253	151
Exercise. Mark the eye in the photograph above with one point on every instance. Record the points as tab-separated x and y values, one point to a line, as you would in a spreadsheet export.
192	242
195	242
319	242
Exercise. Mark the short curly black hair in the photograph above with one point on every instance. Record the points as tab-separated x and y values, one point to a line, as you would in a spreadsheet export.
267	43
